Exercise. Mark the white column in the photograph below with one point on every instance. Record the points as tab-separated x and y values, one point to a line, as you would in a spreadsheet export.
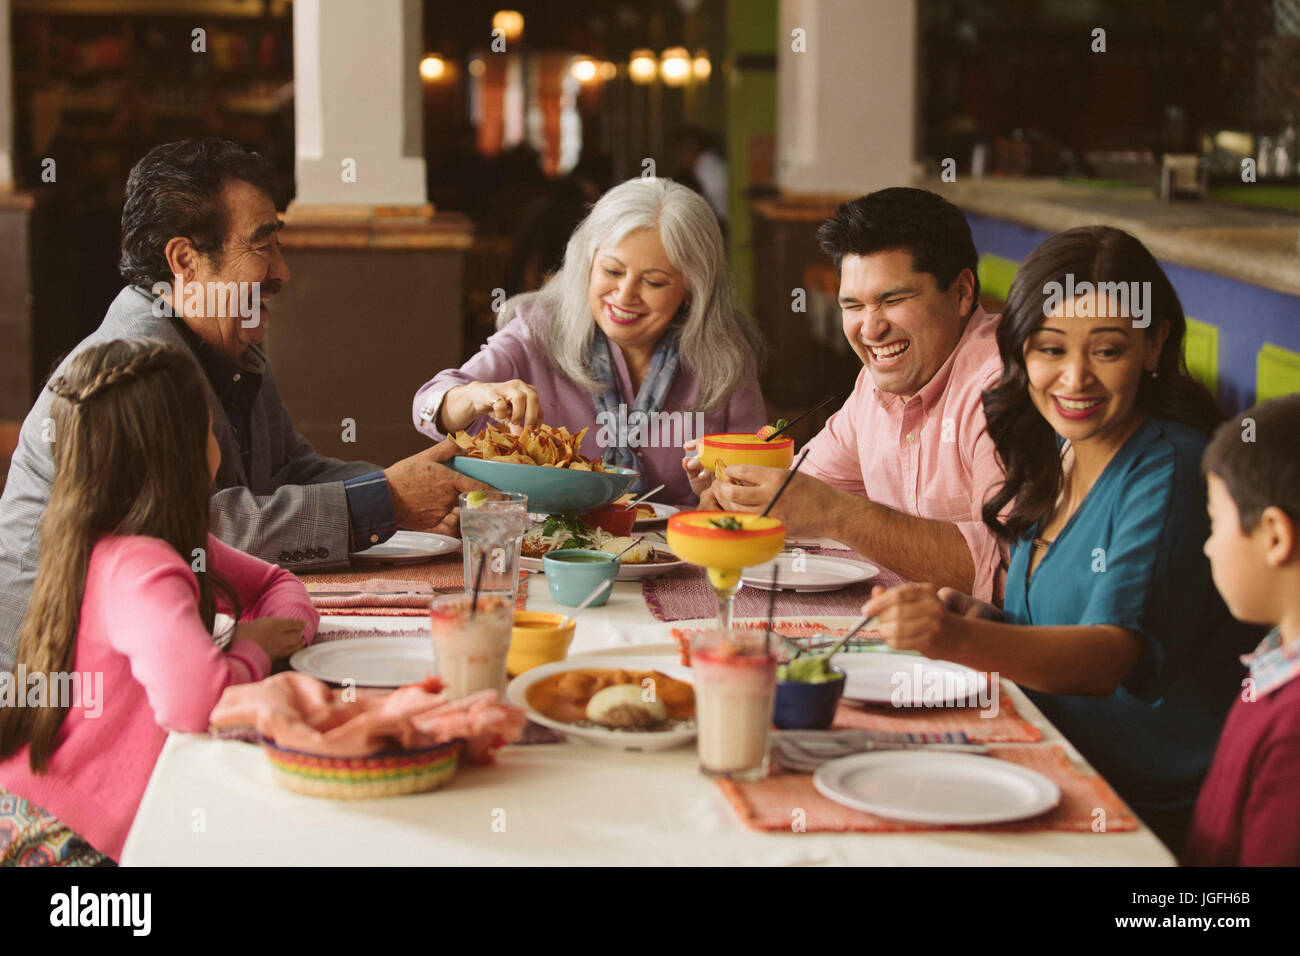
357	98
6	99
846	104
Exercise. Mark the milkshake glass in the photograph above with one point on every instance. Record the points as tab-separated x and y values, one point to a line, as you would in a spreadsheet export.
469	653
735	687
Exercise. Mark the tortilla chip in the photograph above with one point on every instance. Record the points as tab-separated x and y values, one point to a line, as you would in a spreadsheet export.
543	445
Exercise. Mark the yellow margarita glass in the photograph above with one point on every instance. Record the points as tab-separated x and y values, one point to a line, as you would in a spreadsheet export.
696	538
746	449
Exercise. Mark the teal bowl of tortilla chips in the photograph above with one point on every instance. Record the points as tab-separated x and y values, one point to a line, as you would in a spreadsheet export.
550	490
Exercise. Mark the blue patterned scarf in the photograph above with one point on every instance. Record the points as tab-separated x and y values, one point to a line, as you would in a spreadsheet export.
622	428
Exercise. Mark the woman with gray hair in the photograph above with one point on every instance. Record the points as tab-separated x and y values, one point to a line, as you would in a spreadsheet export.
638	337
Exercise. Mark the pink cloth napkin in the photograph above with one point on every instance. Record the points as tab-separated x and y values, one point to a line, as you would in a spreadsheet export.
298	712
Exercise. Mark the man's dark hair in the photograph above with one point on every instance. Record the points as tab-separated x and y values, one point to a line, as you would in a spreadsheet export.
929	227
1257	456
175	190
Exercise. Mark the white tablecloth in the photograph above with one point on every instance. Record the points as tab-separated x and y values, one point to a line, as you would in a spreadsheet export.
213	802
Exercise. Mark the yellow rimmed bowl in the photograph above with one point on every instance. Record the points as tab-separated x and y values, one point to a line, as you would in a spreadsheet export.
745	449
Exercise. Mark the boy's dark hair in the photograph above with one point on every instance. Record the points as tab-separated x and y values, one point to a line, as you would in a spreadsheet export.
175	190
929	227
1263	472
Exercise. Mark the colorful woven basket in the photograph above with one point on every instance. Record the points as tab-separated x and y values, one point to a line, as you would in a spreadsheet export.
389	774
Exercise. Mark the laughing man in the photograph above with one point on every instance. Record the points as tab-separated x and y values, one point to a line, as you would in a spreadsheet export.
900	472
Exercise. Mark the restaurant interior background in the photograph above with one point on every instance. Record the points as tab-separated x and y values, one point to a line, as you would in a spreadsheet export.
433	156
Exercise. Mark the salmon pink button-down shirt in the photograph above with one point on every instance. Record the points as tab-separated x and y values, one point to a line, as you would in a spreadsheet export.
929	456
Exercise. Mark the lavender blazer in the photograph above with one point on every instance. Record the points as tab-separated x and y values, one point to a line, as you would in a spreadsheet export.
516	352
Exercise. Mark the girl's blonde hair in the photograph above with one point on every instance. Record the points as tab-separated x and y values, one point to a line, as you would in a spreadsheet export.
719	343
130	458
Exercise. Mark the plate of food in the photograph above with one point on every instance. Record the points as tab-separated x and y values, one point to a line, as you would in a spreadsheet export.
543	463
624	702
646	559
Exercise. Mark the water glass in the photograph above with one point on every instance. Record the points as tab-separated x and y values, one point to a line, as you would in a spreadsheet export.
492	526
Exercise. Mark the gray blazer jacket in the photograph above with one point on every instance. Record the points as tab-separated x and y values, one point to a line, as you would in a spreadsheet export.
291	510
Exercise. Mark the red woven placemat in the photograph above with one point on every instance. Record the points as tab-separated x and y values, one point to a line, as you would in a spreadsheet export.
1088	804
685	594
439	574
1006	725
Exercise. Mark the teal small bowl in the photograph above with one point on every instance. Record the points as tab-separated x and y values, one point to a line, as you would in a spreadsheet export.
571	581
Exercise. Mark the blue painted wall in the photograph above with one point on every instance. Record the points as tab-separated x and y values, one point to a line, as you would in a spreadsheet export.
1246	315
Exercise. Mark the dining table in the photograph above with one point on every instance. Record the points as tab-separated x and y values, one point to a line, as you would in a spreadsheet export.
213	801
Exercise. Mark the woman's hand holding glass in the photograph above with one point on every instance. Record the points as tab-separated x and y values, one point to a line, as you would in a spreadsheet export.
514	403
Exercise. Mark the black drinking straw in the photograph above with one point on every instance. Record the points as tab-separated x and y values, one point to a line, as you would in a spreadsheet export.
771	611
785	484
825	401
478	583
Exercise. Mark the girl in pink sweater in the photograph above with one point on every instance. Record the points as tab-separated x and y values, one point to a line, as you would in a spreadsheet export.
117	647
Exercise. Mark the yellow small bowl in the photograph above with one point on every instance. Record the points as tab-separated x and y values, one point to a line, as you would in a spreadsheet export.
537	639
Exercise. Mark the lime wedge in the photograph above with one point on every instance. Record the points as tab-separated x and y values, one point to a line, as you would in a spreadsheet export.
475	498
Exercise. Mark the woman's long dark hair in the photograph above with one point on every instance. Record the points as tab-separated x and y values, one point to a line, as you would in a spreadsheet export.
1025	441
130	458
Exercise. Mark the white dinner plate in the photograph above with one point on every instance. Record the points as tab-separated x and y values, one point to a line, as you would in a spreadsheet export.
935	787
662	513
626	572
408	547
368	661
670	664
809	572
904	680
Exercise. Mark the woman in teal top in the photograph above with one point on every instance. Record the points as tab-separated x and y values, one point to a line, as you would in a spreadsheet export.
1111	620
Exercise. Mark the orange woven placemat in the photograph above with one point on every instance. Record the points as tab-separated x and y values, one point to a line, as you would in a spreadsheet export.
438	574
789	802
1006	726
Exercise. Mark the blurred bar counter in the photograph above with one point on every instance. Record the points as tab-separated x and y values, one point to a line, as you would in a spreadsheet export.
1250	245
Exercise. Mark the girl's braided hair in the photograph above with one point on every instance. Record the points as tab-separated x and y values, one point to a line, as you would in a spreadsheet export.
153	358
